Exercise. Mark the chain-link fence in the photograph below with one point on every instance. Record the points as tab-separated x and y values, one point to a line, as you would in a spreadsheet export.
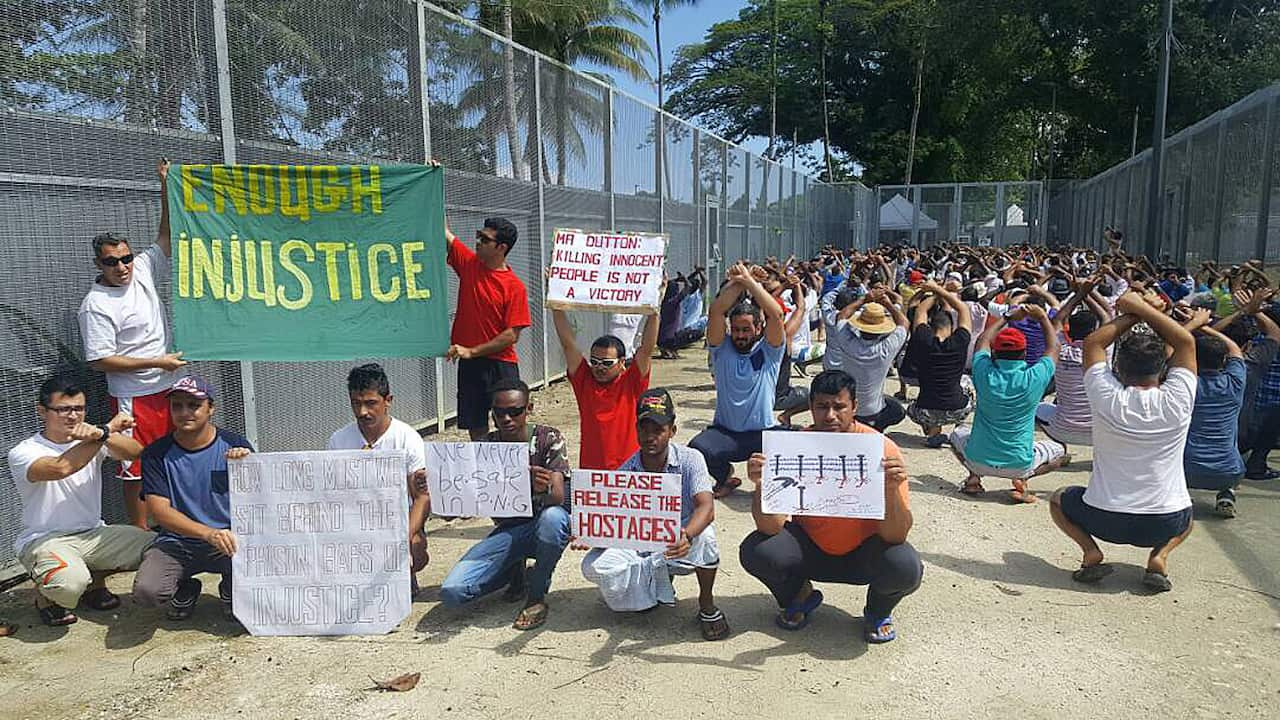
92	93
1219	178
984	213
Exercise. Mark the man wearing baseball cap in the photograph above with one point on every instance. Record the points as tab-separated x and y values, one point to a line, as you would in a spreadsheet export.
184	484
865	347
631	581
1002	440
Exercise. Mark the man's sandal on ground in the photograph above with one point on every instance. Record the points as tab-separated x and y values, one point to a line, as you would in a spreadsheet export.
56	615
787	619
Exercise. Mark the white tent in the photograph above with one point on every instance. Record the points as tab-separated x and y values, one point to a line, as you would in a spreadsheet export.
1013	217
896	214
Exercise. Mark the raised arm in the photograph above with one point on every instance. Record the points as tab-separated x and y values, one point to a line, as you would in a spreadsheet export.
1183	344
964	318
773	329
720	306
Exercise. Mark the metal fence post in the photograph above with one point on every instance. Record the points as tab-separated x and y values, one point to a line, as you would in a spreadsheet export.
1220	201
542	208
1001	216
608	157
1268	163
424	80
248	391
660	152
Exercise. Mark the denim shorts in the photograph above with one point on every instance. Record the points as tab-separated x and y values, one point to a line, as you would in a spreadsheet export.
1139	530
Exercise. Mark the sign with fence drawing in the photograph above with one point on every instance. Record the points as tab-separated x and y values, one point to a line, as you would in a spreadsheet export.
479	479
606	272
323	542
826	474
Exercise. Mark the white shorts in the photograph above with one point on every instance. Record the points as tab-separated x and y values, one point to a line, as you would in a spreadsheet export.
1043	451
630	580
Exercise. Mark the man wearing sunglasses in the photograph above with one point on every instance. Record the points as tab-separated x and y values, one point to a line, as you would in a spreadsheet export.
606	389
62	542
493	307
122	322
499	559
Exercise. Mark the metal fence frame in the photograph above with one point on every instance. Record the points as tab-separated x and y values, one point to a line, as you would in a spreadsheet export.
67	174
962	211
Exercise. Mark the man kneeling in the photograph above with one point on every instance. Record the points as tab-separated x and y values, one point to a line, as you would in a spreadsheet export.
499	559
631	580
787	555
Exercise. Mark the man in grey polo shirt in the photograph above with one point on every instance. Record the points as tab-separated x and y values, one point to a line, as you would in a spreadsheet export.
862	340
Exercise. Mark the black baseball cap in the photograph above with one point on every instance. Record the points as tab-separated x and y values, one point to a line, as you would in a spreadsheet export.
656	405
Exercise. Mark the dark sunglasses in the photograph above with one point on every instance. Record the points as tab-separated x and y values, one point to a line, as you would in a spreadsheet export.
603	362
484	238
114	261
510	411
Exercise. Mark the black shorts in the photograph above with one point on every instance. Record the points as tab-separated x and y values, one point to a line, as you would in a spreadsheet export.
475	376
1144	531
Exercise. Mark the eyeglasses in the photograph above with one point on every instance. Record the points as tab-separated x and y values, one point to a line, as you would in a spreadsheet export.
66	410
484	238
603	362
512	412
114	261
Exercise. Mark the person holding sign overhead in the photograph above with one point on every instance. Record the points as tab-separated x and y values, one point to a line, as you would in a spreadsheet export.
185	485
493	307
606	389
122	322
499	559
789	554
746	372
631	581
374	429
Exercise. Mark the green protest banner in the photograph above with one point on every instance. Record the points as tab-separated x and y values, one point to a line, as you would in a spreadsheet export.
308	262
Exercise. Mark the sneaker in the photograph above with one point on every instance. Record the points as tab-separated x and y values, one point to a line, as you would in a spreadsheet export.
183	602
1226	505
935	441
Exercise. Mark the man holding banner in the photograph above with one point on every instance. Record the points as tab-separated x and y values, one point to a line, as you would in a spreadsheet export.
374	429
788	554
122	323
499	559
493	307
632	581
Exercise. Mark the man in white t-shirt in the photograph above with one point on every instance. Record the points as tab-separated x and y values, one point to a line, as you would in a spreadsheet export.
1137	493
63	544
375	429
122	324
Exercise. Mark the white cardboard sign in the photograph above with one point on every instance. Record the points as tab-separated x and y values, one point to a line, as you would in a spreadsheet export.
479	479
606	272
826	474
322	542
632	510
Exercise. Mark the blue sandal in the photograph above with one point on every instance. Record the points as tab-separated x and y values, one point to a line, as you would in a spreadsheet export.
804	609
875	634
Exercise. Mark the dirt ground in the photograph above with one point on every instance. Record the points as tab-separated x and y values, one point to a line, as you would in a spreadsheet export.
997	630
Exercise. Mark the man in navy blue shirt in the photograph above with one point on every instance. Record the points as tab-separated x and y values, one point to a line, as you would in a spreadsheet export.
184	484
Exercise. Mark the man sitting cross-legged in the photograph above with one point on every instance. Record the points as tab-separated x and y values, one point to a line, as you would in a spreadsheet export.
1002	441
1137	492
499	559
788	554
631	581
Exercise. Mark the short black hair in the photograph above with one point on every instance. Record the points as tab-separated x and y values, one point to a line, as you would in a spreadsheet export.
940	318
369	376
1211	353
611	341
59	384
831	382
745	308
105	239
1081	323
1140	355
508	385
1009	354
505	229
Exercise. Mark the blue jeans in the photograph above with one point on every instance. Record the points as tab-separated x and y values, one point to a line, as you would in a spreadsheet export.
487	566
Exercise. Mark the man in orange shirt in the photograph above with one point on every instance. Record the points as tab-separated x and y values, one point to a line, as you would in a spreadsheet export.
788	554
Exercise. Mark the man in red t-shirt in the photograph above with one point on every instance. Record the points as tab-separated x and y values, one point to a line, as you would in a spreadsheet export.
493	307
607	390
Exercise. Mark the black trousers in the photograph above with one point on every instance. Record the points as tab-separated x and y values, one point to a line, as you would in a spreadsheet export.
783	562
891	414
1262	441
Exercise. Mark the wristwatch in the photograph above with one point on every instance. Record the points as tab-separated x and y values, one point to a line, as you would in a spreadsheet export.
106	432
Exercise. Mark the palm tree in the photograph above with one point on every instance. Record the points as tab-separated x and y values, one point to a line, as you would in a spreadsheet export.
657	7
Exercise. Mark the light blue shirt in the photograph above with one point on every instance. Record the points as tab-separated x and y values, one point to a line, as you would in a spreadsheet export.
689	464
745	384
1004	422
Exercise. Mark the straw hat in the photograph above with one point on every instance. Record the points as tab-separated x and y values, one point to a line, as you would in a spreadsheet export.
873	319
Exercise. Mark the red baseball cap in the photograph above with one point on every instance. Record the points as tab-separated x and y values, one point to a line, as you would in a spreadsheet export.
1009	340
915	277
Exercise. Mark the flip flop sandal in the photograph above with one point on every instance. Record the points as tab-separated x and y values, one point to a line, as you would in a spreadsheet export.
1156	582
6	629
804	609
715	626
56	616
972	488
876	634
527	620
100	599
1090	574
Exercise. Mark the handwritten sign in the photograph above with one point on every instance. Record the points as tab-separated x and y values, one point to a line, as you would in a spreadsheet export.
323	542
827	474
606	272
637	511
479	479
